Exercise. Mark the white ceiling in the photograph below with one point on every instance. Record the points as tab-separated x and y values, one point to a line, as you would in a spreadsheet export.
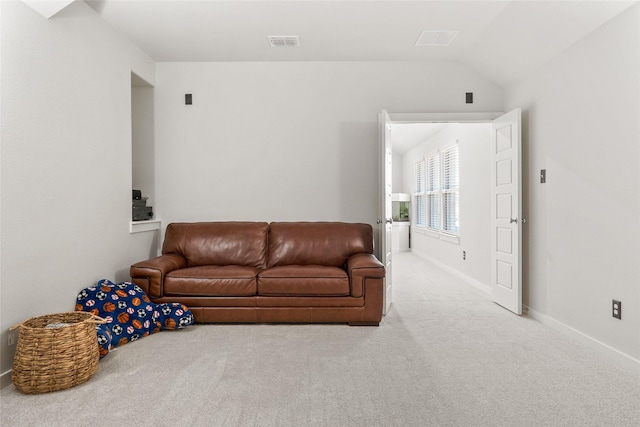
406	136
503	40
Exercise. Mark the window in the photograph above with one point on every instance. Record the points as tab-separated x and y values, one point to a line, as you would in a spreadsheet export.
420	194
437	192
450	190
433	192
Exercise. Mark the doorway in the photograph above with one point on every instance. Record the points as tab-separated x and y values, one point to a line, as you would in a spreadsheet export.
471	253
467	252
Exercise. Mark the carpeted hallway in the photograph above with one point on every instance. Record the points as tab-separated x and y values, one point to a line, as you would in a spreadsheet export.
444	356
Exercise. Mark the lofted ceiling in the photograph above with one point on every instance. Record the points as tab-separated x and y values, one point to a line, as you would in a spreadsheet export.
404	137
504	40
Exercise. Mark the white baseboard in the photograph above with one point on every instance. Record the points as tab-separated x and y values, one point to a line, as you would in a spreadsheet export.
482	287
5	379
618	357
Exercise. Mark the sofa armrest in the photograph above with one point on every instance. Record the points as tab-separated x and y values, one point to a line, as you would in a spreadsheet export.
360	267
149	274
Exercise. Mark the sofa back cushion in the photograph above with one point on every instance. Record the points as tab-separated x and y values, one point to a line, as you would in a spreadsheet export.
317	243
218	243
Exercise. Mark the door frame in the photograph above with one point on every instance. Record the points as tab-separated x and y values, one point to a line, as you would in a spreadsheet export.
409	118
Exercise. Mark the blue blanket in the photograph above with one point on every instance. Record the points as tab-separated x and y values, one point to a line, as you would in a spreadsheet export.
129	313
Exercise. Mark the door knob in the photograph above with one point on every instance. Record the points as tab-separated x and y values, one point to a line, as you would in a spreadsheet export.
512	220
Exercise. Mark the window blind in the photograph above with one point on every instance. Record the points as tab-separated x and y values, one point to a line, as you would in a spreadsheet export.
450	190
433	192
438	191
420	194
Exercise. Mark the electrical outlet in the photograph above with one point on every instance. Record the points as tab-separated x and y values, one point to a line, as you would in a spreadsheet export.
616	309
12	337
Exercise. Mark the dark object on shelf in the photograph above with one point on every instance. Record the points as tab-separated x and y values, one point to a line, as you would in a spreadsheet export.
141	211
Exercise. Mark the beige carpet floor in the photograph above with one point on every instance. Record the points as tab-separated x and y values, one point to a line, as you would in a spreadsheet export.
444	356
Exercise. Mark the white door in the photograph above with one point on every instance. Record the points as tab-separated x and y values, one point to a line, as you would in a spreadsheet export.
506	212
384	192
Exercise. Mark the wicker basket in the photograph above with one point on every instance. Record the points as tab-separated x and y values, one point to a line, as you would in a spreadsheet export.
55	352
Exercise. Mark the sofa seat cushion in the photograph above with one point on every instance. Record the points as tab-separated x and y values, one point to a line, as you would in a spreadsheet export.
303	280
212	280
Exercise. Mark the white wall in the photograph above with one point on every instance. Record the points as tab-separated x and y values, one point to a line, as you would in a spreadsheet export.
143	141
475	202
289	141
65	160
397	176
581	124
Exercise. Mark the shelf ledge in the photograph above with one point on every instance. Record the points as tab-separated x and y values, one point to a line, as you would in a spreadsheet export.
142	226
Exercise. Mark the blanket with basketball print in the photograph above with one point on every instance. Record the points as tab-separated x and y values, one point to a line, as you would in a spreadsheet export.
129	313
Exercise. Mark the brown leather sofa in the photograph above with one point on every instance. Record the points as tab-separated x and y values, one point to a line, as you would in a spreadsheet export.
255	272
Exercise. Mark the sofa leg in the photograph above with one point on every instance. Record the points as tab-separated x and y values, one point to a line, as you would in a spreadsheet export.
364	323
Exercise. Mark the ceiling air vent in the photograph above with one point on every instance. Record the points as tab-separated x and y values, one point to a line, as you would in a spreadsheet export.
284	41
436	38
